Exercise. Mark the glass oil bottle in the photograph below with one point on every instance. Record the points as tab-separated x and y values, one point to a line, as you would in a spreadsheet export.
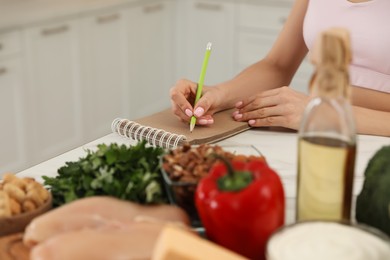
327	136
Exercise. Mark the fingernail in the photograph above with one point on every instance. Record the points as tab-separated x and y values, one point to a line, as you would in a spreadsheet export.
202	121
252	122
199	111
235	113
188	112
210	121
238	116
239	103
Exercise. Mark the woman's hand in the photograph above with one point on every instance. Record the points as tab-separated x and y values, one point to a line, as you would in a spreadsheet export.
183	97
276	107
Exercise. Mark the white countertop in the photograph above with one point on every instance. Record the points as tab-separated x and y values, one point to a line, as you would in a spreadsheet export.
279	147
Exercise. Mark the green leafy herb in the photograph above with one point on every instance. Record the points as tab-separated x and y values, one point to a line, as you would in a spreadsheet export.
129	173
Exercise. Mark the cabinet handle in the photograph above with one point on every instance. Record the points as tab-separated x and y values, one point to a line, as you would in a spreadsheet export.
107	18
208	6
153	8
3	71
55	30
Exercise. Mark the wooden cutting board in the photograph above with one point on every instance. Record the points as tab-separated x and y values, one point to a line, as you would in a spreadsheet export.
12	248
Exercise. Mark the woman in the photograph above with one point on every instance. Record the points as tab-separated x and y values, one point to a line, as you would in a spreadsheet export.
259	93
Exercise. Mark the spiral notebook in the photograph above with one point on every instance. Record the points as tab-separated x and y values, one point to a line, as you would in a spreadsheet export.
163	129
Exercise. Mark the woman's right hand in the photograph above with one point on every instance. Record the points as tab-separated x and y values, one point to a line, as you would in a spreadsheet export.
183	97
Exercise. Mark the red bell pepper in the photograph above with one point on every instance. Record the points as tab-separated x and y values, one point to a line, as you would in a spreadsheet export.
240	205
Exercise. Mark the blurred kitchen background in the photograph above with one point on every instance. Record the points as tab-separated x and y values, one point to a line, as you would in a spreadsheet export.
68	68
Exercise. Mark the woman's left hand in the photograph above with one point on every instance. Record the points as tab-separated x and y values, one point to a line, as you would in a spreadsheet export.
276	107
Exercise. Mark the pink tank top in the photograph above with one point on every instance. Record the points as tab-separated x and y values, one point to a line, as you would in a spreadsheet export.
369	26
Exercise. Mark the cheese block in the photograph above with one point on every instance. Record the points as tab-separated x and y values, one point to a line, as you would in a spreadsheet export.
178	244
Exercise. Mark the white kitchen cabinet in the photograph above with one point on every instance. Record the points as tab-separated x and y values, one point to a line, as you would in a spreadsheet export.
200	22
12	137
252	47
52	57
151	57
104	41
258	26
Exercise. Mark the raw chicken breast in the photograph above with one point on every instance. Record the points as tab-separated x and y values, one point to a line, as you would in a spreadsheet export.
97	212
133	242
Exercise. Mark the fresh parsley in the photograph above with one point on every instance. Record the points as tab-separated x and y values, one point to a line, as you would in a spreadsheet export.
126	172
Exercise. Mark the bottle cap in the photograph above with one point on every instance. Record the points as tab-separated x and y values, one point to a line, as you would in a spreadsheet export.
332	55
332	48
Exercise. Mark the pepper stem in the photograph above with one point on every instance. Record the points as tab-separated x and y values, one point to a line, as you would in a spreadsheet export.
233	180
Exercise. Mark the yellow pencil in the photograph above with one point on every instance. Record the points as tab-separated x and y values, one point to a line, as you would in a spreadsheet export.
200	82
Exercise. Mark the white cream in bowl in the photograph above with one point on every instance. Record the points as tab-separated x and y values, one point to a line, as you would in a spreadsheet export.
327	241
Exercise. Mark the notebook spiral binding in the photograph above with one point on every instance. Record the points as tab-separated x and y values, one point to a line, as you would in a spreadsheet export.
154	136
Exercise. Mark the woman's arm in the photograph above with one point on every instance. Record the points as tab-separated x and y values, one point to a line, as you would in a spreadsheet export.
372	111
372	99
372	122
277	68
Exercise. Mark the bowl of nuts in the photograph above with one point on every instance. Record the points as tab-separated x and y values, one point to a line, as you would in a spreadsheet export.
21	200
183	167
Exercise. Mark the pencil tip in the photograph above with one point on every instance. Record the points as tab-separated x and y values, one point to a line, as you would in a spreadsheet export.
192	127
